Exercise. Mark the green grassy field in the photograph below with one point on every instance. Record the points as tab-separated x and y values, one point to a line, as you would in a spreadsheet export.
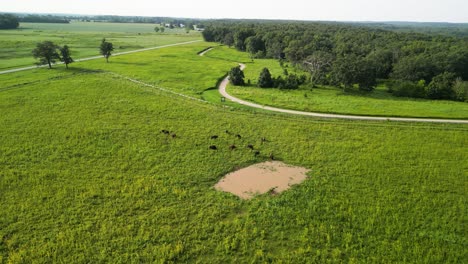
83	38
328	99
86	175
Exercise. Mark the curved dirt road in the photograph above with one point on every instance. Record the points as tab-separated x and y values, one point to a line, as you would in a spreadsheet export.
223	92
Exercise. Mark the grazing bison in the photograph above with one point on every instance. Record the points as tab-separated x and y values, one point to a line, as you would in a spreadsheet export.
173	135
214	137
213	147
232	147
238	136
164	131
250	146
256	153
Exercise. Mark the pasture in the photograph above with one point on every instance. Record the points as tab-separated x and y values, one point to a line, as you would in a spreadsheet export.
83	38
87	176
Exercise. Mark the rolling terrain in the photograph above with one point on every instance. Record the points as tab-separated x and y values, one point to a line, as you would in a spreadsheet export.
87	176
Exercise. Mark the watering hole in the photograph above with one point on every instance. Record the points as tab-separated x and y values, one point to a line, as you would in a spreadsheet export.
260	178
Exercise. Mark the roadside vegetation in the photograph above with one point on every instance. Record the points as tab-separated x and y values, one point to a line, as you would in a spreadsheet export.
330	99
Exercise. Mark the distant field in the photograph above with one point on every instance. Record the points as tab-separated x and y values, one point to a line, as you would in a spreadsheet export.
83	38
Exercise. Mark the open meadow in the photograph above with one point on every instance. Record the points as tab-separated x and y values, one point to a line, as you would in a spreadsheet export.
83	38
86	176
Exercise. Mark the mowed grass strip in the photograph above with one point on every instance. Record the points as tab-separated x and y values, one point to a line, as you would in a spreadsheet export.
86	176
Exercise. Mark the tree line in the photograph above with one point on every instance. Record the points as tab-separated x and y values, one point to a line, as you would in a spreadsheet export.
44	19
8	21
48	53
355	56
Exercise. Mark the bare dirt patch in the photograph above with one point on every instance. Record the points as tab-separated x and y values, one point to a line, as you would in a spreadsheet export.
271	176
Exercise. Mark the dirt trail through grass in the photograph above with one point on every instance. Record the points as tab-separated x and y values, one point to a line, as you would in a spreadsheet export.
223	92
99	57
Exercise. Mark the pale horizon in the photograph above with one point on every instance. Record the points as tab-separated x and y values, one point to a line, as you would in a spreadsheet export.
449	11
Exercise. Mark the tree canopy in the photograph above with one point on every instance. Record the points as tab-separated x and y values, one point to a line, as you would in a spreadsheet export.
265	80
351	55
65	55
106	49
46	52
236	76
8	21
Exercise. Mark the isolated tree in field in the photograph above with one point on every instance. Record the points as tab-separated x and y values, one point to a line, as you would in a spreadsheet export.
156	29
265	80
236	75
162	29
46	52
106	49
65	56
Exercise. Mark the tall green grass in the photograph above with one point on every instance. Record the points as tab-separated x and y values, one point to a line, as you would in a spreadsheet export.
83	38
86	175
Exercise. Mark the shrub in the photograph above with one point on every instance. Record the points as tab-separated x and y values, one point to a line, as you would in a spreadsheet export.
460	90
407	89
265	80
441	86
236	75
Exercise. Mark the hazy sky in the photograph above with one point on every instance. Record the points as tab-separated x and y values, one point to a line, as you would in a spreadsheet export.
336	10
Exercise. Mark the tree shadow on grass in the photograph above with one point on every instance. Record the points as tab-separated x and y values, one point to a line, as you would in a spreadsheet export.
130	63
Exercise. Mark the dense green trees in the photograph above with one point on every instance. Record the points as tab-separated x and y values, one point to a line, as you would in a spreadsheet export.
44	19
353	55
460	90
46	52
291	81
318	64
8	21
255	46
441	86
106	49
236	76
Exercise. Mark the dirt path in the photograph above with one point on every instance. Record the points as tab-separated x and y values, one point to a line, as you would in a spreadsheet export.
205	51
100	57
223	92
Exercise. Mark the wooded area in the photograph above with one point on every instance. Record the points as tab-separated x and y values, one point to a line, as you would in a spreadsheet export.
8	21
347	55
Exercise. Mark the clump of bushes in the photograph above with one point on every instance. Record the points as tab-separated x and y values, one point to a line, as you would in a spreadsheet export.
445	86
291	81
408	89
